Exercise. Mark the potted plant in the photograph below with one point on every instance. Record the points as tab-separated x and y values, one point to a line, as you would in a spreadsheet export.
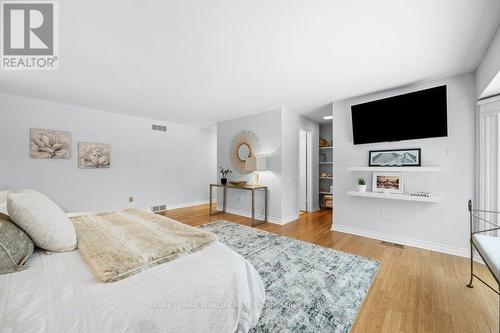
224	173
361	185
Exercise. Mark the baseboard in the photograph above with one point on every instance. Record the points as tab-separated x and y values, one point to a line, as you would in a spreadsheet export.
270	219
187	204
289	219
426	245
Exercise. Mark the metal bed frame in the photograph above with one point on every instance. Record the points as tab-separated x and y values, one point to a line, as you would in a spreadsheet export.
472	216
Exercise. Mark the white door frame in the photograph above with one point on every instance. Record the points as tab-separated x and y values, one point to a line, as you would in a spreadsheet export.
309	168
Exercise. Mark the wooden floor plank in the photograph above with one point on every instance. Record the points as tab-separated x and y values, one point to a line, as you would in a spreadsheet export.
414	290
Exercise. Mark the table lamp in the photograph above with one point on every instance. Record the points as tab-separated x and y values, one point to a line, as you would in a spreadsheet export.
256	163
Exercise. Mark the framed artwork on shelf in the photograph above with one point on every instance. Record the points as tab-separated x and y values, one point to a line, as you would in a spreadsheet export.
395	157
387	182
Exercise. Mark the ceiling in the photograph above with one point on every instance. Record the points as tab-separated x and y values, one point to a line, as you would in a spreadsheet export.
493	89
198	61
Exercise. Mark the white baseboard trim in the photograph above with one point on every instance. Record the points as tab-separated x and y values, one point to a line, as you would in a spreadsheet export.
426	245
187	204
270	219
289	219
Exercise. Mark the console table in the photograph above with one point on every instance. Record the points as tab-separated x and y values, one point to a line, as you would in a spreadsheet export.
245	187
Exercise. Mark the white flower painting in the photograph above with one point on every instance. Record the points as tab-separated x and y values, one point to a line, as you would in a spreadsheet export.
45	143
94	155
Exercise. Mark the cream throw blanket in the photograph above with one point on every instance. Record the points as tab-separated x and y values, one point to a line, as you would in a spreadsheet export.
118	244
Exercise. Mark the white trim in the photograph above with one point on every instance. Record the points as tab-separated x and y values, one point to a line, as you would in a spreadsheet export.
424	168
395	196
289	219
270	219
488	100
426	245
187	204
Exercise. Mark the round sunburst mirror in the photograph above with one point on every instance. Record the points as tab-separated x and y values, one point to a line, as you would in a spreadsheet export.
245	144
244	152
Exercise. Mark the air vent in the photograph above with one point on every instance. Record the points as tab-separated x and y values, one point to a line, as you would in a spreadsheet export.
393	244
160	208
160	128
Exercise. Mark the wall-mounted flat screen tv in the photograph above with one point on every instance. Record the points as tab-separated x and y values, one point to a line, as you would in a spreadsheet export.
417	115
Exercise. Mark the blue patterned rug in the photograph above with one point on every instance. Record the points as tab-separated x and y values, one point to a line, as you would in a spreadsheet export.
309	288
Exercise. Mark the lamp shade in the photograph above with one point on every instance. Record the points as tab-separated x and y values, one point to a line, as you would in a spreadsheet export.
256	163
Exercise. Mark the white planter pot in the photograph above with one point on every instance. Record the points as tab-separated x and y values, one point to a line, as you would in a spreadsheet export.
362	188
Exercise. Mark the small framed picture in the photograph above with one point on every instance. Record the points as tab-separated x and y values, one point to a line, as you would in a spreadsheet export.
395	157
387	182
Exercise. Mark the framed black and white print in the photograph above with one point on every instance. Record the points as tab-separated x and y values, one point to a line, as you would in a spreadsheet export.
395	157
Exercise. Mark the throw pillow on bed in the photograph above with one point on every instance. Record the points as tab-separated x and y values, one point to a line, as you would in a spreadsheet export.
3	201
15	246
47	225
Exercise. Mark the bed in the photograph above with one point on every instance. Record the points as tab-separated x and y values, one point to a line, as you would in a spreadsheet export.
211	290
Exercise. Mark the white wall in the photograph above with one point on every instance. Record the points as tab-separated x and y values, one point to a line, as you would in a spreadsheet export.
267	126
172	168
278	131
489	66
442	226
292	123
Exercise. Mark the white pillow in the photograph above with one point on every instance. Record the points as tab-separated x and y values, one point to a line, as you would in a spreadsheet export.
3	196
3	209
47	225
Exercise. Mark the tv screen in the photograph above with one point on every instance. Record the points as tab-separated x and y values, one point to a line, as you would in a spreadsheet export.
417	115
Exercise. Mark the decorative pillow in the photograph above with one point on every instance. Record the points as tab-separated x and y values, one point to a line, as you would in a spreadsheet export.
47	225
3	196
3	209
15	246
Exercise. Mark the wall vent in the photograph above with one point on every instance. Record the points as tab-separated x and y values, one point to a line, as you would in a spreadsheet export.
159	208
160	128
393	244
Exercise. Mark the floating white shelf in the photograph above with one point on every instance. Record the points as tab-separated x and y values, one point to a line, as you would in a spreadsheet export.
325	192
325	147
394	196
325	162
425	168
325	177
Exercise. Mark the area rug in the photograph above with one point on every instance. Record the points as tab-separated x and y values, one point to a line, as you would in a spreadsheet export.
309	288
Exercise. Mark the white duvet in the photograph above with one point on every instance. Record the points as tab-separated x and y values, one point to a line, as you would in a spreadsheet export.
212	290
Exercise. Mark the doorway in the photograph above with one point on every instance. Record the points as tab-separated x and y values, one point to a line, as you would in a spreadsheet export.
305	171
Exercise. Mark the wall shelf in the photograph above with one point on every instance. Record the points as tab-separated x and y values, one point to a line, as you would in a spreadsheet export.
425	168
325	162
395	196
325	148
326	178
325	193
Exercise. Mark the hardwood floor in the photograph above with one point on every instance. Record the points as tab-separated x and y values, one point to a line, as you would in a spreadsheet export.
414	290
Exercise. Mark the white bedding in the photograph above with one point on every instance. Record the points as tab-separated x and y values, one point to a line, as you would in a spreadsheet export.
201	292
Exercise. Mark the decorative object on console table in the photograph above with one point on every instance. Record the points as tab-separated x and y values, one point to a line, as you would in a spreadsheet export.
387	182
256	163
47	143
238	182
361	185
224	173
395	157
